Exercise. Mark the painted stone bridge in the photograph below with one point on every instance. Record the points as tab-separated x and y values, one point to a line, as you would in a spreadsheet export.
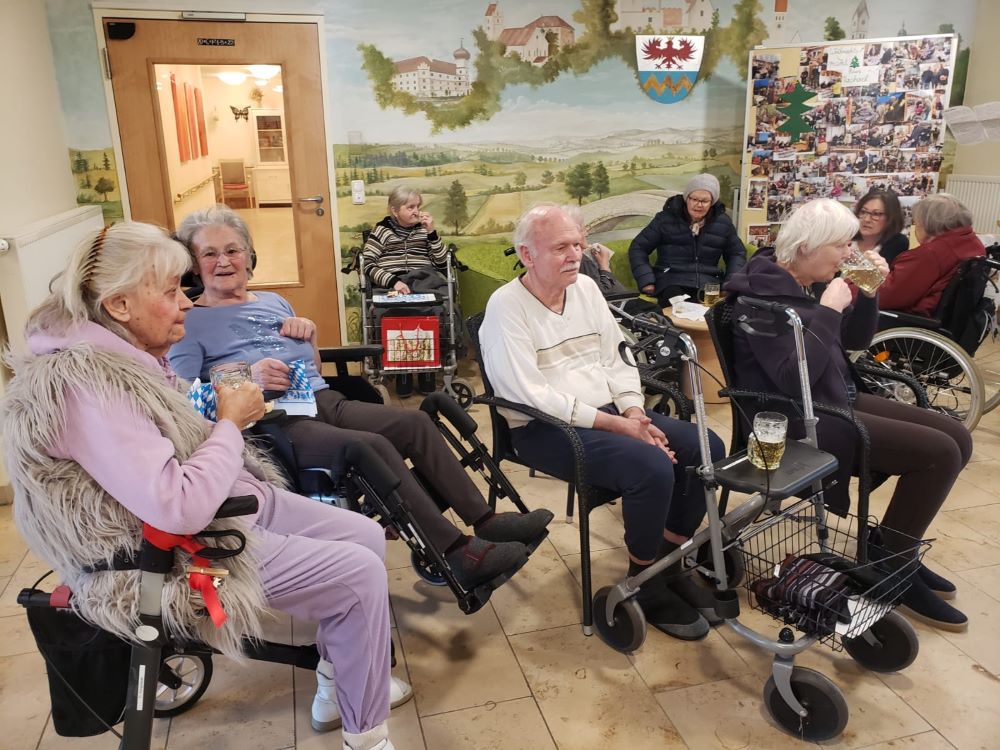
603	216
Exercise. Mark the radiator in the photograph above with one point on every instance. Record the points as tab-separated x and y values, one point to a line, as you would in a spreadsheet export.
981	195
33	255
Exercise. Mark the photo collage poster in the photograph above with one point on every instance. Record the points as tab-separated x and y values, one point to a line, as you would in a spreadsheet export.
837	119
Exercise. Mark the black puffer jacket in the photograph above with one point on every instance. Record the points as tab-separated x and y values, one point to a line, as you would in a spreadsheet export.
684	259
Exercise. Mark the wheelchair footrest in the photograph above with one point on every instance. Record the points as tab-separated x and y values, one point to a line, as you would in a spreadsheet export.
800	467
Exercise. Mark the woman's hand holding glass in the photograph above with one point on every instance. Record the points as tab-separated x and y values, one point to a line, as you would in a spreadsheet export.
271	374
837	295
242	405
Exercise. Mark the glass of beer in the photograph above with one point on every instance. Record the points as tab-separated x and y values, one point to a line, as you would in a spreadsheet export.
710	294
860	271
230	375
767	441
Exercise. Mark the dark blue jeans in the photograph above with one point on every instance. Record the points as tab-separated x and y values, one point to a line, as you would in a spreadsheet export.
656	494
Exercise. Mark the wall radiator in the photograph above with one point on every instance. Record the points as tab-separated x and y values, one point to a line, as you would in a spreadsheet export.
32	255
981	195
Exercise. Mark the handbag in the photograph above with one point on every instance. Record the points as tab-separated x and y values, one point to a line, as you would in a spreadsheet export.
411	342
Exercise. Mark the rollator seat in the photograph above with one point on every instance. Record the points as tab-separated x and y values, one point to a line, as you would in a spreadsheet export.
800	466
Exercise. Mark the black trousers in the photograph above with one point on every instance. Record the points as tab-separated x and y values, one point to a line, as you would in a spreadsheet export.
396	435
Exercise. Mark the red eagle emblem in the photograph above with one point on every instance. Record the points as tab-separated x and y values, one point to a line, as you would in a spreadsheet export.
669	56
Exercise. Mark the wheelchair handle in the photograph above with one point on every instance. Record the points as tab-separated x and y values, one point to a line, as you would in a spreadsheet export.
766	305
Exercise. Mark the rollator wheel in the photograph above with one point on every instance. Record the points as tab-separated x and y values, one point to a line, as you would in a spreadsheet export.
735	566
428	573
188	676
383	393
823	700
461	391
628	631
896	645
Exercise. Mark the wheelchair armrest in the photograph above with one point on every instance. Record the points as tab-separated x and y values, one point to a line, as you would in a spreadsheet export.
912	383
443	404
241	505
619	296
350	353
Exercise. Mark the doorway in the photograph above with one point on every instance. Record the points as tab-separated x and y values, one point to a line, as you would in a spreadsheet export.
232	113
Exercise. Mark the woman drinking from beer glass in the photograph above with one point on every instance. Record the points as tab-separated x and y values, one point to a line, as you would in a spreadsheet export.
925	449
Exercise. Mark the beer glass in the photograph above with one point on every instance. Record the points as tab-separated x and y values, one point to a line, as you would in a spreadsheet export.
710	294
767	442
859	270
230	375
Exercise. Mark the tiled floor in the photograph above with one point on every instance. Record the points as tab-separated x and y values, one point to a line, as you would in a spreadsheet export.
519	673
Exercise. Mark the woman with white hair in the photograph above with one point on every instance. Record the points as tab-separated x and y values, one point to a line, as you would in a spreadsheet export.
925	449
690	236
101	438
919	276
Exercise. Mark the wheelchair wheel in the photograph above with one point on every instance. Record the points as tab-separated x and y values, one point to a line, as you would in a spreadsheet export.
383	393
895	645
628	631
987	359
735	565
428	573
183	680
952	380
827	709
462	392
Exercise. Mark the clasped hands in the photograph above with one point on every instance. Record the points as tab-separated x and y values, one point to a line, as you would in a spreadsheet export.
635	424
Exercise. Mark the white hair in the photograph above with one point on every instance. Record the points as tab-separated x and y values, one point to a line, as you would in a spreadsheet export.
812	225
115	260
219	215
525	229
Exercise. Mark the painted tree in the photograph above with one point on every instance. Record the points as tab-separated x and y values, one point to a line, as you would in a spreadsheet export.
745	31
579	182
104	186
456	207
602	184
547	177
79	163
105	162
520	180
833	30
796	125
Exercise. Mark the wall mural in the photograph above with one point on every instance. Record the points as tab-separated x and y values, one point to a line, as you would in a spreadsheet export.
488	108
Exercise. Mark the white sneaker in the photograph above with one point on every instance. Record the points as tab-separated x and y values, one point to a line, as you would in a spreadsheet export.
376	738
325	711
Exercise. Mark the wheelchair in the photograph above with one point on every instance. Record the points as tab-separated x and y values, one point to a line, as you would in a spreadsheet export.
939	352
448	345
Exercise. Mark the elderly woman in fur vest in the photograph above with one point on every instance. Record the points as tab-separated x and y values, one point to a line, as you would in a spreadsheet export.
100	438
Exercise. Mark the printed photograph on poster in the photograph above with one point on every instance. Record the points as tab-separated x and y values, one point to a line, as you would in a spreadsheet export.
891	108
757	194
764	67
762	235
779	204
761	162
934	75
861	110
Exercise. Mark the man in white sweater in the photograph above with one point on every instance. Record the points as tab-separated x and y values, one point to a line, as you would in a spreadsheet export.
549	341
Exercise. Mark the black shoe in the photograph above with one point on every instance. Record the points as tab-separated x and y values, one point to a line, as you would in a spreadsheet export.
426	383
920	603
938	584
683	584
670	614
478	561
404	386
527	528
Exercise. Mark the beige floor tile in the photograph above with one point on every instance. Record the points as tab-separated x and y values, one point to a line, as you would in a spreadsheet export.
987	579
511	725
542	595
29	571
397	555
985	519
959	546
606	529
666	663
591	697
15	636
245	706
924	741
24	700
967	495
979	642
958	696
725	715
455	660
52	741
12	547
404	726
983	474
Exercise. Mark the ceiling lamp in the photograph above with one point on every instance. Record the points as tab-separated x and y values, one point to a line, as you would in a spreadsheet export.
265	71
278	89
232	77
261	81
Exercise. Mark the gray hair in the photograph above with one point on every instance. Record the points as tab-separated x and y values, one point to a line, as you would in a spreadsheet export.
401	195
525	234
218	215
115	260
812	225
939	213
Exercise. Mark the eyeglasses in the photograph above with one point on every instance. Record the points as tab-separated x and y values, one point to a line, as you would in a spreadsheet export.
230	251
700	201
865	213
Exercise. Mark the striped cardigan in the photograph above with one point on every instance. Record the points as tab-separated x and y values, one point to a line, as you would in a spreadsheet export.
389	252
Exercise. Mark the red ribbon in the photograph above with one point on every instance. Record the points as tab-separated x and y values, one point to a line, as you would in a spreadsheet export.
201	582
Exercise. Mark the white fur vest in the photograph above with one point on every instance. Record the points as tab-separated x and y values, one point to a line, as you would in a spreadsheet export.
69	521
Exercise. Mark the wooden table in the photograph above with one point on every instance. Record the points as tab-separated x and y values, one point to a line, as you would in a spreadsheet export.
707	358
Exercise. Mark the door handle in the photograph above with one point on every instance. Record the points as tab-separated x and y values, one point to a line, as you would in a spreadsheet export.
310	199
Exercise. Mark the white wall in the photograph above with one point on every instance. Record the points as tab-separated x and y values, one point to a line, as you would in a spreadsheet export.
37	182
981	87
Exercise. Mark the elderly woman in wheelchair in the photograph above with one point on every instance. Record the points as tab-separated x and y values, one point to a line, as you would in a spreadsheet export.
101	440
230	323
925	449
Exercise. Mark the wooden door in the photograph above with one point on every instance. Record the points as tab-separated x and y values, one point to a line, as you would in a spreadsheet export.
135	46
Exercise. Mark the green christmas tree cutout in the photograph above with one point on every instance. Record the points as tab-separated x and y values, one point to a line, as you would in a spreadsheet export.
855	62
795	126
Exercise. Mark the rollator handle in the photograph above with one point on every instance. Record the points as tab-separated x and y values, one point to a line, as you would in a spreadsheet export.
761	304
240	505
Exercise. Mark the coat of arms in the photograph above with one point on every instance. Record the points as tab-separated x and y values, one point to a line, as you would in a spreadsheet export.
668	65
